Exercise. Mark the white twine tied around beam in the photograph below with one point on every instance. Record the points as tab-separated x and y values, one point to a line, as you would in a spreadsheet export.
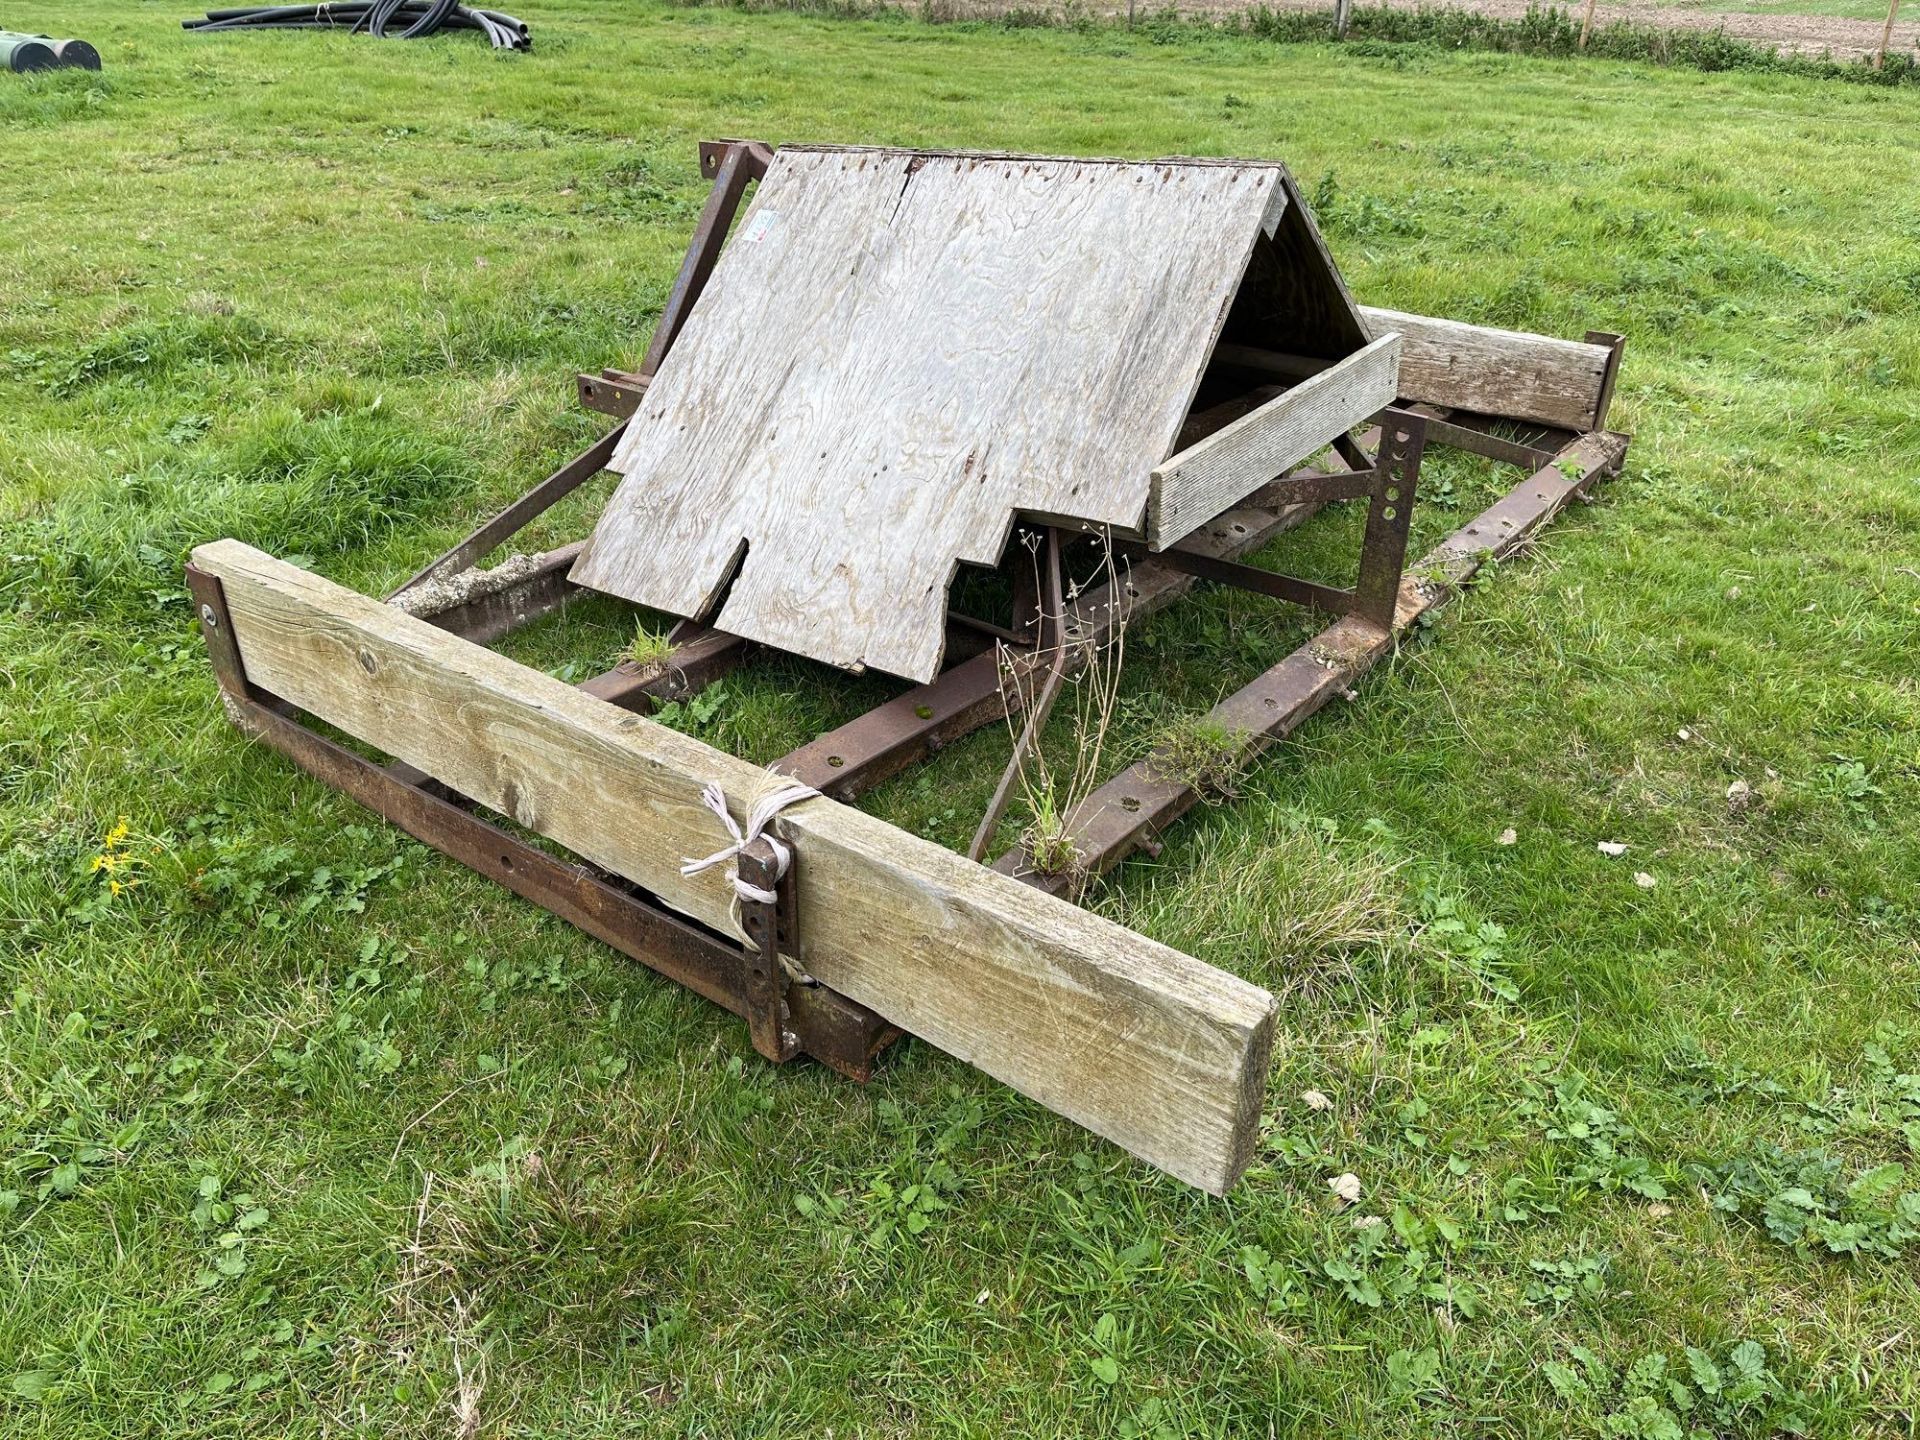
758	818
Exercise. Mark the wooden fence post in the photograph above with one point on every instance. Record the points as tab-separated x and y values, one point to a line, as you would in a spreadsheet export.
1586	23
1342	15
1886	34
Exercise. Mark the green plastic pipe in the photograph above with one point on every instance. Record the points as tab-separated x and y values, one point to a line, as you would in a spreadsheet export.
21	53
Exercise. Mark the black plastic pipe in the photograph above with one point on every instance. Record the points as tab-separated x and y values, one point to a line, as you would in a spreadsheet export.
382	19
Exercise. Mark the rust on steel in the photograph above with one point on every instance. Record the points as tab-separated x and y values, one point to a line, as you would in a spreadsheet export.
1389	485
517	516
612	392
491	615
824	1024
1125	814
771	929
732	165
851	759
697	656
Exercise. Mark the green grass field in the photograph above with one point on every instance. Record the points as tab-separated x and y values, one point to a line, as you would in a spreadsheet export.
305	1131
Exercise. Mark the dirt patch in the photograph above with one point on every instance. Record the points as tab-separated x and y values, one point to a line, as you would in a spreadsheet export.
1808	35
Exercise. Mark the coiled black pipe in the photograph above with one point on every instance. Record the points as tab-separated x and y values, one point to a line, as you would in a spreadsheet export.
382	19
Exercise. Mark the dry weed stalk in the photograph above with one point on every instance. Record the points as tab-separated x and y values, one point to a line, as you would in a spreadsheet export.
1090	655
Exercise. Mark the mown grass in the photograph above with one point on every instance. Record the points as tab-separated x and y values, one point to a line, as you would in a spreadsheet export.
310	1132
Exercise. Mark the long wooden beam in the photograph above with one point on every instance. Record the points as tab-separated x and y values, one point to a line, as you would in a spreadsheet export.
1214	474
1148	1047
1509	373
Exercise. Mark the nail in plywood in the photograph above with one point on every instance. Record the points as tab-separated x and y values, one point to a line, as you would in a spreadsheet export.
900	351
1156	1051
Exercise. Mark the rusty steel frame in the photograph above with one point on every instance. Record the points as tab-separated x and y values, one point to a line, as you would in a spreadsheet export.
787	1013
804	1018
1126	813
1388	483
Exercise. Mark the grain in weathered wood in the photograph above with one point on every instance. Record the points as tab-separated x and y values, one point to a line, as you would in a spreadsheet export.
895	354
1495	372
1148	1047
1220	471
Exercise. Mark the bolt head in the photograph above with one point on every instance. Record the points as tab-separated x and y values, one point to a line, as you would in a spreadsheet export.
208	618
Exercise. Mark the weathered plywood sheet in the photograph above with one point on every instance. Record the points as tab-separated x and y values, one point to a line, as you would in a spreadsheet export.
1161	1054
1220	471
897	352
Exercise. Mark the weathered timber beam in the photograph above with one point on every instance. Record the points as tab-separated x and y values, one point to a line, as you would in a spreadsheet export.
1148	1047
1507	374
829	1027
1218	472
1123	814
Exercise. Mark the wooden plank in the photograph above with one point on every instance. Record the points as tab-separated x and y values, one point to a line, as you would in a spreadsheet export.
896	354
1496	372
1215	474
1161	1054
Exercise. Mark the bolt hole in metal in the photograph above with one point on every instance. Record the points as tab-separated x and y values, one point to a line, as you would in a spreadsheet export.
1389	513
836	761
506	862
1130	802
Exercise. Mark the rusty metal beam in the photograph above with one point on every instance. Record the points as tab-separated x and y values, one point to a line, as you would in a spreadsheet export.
826	1025
1471	432
612	392
1389	486
700	656
1129	810
734	165
1616	351
850	760
491	614
517	516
